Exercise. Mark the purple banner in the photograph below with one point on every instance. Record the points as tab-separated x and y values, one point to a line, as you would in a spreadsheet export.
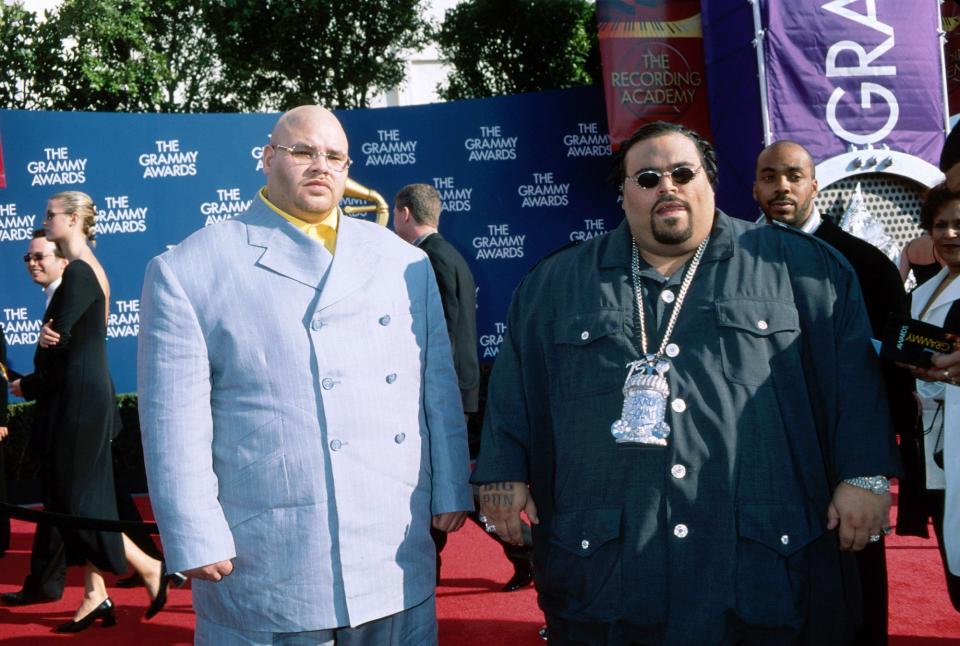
855	72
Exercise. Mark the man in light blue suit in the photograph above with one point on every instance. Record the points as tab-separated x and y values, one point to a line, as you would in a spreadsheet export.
302	424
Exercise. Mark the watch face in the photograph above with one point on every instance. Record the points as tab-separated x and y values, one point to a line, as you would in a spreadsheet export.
880	486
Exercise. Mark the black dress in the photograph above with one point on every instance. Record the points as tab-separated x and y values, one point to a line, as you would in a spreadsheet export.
76	417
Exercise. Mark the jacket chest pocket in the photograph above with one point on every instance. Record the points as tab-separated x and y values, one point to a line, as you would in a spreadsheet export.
752	332
589	353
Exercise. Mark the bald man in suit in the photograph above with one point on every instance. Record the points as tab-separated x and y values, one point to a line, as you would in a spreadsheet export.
302	425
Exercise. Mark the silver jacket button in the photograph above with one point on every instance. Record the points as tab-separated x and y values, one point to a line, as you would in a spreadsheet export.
680	530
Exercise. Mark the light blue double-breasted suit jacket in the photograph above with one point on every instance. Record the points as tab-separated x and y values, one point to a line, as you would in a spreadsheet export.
300	415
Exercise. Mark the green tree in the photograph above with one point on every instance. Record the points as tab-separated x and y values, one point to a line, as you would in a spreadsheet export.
21	47
129	55
280	53
501	47
106	61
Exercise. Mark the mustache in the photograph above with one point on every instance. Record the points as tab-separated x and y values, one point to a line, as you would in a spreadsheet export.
664	199
782	197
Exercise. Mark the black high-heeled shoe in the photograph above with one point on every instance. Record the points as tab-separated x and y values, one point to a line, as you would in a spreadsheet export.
160	600
104	612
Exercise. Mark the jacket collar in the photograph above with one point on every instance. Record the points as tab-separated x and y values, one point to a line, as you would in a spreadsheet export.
946	298
289	252
286	250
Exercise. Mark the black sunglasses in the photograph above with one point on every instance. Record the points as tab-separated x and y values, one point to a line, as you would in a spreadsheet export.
35	257
650	178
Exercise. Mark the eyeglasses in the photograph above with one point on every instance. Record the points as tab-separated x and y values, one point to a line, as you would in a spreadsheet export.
35	257
308	154
52	214
650	178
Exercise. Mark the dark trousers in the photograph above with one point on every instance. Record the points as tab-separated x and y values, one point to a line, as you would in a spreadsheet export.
935	502
872	564
4	521
48	560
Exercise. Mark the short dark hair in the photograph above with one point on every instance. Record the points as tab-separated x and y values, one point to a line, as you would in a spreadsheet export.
783	143
423	201
40	233
708	156
935	199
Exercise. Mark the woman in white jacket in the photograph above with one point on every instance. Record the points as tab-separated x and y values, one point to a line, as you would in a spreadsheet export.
937	301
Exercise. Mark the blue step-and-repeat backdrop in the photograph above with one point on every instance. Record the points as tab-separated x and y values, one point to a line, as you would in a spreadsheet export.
519	177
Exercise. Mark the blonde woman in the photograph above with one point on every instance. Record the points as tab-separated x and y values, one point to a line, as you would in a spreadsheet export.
76	418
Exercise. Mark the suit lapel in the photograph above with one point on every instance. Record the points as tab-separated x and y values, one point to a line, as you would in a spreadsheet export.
921	296
354	264
286	251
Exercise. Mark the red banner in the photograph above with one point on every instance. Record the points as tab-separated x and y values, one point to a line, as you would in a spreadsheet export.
653	69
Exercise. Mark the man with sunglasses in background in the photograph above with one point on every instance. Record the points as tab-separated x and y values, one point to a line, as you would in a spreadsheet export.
666	410
302	424
44	583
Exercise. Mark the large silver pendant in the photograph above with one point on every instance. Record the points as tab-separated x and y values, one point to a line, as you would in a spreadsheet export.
645	394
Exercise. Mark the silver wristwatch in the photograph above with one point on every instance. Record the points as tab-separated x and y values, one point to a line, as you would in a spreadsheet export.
877	484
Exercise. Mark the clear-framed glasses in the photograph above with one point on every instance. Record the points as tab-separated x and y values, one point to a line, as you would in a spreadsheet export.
650	178
35	257
303	154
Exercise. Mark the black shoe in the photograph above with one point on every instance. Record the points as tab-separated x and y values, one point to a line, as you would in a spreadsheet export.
23	599
103	612
132	581
522	577
160	600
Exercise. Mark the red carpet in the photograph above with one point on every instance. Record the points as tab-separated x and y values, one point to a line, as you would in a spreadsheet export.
471	610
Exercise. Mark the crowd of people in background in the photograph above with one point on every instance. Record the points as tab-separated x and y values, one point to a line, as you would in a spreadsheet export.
687	439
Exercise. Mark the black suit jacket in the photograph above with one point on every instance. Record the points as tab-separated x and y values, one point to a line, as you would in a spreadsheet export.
3	384
458	293
883	294
879	278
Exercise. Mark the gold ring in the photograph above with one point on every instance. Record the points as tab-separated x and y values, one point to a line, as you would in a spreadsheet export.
946	373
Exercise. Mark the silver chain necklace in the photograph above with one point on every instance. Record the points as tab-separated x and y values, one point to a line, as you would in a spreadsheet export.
645	390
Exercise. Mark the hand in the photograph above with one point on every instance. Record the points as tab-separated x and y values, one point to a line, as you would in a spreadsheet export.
860	513
213	572
15	389
3	433
450	521
943	367
48	337
501	504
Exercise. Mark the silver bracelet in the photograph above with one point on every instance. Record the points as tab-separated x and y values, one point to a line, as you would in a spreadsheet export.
877	484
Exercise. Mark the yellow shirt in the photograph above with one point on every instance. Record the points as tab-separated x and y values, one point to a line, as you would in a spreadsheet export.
324	232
